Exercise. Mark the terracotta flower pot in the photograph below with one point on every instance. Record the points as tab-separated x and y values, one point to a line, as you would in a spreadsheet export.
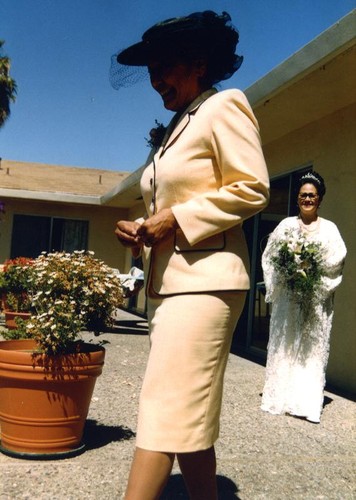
44	401
10	318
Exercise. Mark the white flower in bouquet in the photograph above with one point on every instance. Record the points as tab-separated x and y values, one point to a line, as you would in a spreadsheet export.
299	266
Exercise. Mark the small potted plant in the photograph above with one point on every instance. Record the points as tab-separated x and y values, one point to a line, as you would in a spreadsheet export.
71	293
15	289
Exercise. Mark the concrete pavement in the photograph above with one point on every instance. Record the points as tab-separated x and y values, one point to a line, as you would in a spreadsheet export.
260	456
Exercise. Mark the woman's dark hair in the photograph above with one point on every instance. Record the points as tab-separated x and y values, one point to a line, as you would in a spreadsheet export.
315	179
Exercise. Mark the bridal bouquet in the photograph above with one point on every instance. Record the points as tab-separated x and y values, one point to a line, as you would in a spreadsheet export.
299	265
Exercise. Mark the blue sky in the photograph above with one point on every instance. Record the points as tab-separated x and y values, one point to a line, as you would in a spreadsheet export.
66	112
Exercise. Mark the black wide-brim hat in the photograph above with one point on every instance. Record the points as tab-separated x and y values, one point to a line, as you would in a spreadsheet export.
198	31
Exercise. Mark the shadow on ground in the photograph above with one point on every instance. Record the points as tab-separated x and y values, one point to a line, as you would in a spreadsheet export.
176	490
97	435
327	401
132	327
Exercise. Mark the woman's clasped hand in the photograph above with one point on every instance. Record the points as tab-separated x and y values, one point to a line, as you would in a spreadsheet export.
153	230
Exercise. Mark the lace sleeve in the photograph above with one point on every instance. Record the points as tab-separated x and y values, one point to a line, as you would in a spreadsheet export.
333	263
273	288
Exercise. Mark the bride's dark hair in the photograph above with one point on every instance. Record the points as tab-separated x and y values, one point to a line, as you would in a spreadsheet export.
315	179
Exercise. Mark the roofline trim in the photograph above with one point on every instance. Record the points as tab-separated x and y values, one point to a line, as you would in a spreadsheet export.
129	183
49	196
321	49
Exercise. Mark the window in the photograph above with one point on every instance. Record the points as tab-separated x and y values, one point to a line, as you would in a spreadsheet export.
33	234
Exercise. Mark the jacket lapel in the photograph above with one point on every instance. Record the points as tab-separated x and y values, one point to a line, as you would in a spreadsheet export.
175	133
180	122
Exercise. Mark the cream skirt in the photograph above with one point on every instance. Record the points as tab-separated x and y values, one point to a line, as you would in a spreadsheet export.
180	402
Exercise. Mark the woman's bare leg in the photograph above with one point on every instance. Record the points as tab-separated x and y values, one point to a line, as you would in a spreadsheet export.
149	474
199	473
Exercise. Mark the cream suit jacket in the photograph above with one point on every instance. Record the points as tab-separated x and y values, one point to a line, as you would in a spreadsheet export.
211	171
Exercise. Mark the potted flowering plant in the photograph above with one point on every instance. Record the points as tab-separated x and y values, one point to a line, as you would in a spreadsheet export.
15	283
71	292
15	289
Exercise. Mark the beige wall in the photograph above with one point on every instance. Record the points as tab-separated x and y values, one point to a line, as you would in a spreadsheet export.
102	222
329	145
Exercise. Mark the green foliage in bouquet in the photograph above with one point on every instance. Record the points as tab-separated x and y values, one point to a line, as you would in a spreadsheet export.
298	263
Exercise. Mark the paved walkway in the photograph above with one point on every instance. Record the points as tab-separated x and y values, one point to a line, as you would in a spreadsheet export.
260	456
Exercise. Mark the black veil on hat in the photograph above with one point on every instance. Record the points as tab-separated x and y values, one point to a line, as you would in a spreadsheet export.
199	33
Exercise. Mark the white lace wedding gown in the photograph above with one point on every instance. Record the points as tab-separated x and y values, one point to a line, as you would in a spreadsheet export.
298	349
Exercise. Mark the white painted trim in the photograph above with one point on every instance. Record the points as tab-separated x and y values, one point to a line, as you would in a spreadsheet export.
49	196
323	48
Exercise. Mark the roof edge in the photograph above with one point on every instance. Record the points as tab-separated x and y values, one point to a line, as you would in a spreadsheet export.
48	196
319	50
130	183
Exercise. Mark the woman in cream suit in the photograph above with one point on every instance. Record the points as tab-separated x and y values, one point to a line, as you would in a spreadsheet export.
207	176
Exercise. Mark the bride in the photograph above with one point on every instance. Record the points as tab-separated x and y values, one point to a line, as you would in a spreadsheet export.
302	304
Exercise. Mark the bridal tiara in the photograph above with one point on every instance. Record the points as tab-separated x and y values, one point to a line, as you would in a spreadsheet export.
310	175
